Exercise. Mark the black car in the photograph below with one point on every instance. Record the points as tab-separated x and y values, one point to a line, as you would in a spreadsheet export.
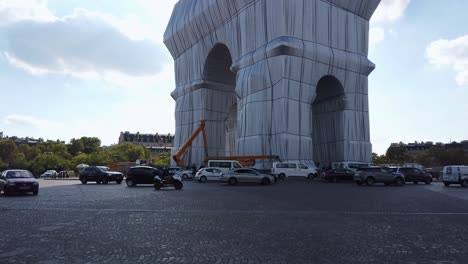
100	174
12	181
414	175
141	175
339	175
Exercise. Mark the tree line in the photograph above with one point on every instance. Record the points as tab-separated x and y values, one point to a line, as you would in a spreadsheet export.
60	156
436	156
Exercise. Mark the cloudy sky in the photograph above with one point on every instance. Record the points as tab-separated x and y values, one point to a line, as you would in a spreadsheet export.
94	68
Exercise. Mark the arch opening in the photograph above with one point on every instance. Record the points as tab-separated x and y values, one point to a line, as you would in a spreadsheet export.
327	114
222	100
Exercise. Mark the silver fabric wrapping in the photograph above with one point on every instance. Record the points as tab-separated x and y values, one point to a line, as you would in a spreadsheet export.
273	77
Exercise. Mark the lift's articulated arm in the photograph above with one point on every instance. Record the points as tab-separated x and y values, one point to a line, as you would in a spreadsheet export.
178	156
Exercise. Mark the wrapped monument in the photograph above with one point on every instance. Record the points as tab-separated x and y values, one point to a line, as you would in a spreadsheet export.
283	77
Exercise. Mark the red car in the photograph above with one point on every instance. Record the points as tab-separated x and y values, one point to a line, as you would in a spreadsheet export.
15	181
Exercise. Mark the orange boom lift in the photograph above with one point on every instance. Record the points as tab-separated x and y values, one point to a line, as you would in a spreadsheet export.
244	160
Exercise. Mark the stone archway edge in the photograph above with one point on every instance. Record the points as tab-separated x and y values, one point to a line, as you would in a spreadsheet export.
288	46
291	46
210	15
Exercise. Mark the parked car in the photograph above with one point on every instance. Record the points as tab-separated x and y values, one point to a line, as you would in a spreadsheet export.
183	173
336	175
455	174
372	175
414	175
246	175
168	181
12	181
141	175
288	169
207	174
100	174
49	174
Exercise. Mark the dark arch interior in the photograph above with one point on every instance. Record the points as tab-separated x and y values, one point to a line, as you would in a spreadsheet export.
218	66
327	114
327	88
222	98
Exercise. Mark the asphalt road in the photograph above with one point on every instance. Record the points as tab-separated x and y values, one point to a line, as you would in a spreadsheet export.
296	221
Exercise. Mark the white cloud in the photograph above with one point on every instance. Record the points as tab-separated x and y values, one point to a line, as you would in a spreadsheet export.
17	10
28	121
376	35
450	53
388	12
85	44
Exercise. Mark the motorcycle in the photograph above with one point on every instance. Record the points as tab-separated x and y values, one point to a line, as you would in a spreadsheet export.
168	181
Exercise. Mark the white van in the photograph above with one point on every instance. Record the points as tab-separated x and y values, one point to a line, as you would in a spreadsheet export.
288	169
224	165
455	174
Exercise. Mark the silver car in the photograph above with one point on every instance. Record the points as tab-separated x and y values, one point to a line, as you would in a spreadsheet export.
372	175
206	174
246	175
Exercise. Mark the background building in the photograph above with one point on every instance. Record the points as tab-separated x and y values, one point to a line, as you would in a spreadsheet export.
157	143
419	147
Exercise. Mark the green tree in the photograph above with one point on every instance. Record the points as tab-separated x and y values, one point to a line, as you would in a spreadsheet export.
163	160
76	146
379	159
99	158
20	162
80	158
127	152
58	149
90	144
8	151
397	154
3	165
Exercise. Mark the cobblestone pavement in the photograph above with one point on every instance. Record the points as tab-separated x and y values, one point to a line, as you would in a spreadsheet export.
296	221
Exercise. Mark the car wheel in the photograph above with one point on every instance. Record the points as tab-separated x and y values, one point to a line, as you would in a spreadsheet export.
446	184
266	181
464	183
428	181
359	183
415	182
119	181
105	181
130	183
334	179
178	185
203	179
310	176
83	181
232	181
157	186
6	192
370	181
98	182
386	183
398	181
282	176
35	192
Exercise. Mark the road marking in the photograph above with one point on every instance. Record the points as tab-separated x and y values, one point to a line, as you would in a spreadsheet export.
311	212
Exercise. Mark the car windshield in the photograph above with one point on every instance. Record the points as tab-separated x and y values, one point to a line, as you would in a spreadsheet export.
19	174
104	168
